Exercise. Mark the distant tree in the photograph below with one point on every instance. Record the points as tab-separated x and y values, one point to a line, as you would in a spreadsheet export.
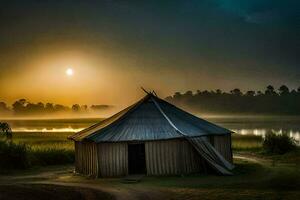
270	90
60	108
250	93
298	90
6	130
188	94
218	91
236	92
284	90
49	107
293	92
3	107
84	108
177	95
76	108
19	106
40	106
100	107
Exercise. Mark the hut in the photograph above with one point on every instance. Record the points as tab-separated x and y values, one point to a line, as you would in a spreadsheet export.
152	137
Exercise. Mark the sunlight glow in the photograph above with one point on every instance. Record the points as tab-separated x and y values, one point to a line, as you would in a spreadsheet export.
69	72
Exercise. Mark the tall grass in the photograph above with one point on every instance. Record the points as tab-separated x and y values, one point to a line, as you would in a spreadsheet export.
246	142
36	149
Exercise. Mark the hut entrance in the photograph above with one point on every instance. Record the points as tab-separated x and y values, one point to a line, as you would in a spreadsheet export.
136	159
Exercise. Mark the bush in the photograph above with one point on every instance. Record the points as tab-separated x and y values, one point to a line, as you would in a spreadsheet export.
51	156
278	144
13	156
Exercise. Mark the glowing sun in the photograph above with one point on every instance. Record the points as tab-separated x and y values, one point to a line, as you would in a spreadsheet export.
69	72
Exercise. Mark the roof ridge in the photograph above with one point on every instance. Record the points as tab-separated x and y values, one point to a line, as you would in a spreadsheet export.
194	116
166	117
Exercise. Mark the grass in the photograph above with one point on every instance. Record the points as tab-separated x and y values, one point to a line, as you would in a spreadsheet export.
246	142
251	180
43	148
44	140
58	140
271	177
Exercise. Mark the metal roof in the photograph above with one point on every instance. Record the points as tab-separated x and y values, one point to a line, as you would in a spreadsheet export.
151	118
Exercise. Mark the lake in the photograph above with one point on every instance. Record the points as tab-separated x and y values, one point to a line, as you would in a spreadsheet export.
242	125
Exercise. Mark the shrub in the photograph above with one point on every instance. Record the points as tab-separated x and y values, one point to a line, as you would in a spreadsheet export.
13	156
51	156
278	144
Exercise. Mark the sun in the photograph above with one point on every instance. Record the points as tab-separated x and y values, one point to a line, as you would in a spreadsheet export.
69	72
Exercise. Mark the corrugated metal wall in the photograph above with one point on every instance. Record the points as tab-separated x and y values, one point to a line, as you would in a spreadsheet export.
222	143
86	161
113	159
172	157
167	157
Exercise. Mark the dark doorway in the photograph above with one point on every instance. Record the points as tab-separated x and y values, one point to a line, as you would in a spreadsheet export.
136	159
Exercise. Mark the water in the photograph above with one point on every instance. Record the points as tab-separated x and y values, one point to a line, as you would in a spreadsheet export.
261	125
254	125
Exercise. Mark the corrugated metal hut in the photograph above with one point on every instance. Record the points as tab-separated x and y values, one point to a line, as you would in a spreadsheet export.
152	137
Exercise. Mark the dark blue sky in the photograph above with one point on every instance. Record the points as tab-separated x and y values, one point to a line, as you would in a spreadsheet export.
178	45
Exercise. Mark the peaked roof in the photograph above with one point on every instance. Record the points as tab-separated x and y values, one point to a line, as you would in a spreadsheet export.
151	118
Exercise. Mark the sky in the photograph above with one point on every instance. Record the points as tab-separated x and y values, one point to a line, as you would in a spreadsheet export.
116	46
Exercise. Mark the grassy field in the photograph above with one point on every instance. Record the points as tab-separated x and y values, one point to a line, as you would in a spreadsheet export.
53	148
58	140
44	140
256	176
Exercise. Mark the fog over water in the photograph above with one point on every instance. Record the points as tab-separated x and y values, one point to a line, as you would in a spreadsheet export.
243	125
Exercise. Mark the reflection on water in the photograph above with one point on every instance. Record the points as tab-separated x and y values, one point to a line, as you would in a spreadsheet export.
263	132
47	130
241	125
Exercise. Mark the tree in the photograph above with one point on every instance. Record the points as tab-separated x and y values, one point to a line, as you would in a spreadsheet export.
84	107
250	93
101	107
3	107
19	106
270	90
49	107
6	130
218	91
284	90
177	95
76	107
236	92
298	90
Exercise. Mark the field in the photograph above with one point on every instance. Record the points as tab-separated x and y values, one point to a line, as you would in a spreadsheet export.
53	148
256	176
58	140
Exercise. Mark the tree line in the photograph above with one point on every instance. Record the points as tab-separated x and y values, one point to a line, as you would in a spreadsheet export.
24	107
271	101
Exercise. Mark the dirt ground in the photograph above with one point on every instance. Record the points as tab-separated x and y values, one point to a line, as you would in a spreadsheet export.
254	178
50	192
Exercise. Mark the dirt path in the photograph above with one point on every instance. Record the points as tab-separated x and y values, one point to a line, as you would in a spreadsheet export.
65	177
